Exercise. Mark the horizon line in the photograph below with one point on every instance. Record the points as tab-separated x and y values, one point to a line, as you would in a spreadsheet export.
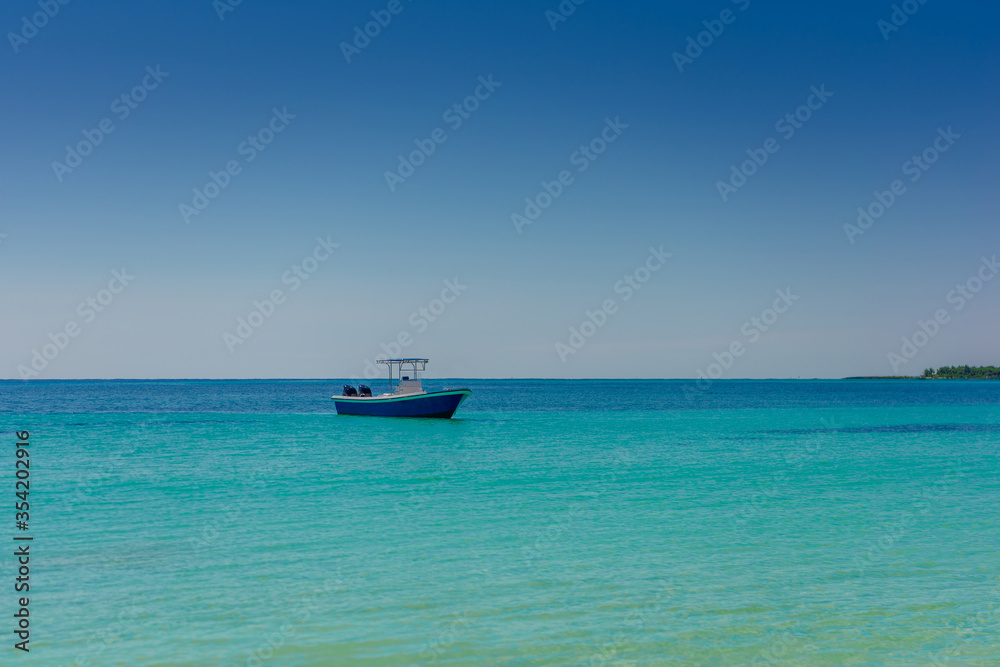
338	379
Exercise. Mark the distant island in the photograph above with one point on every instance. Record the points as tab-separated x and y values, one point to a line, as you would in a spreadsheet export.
944	373
963	373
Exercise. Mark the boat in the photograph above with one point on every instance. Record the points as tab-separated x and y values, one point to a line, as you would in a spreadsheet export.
406	399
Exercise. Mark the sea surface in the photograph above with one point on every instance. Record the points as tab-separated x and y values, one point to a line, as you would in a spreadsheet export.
549	523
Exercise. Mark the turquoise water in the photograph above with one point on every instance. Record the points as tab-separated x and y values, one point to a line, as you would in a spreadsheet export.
550	523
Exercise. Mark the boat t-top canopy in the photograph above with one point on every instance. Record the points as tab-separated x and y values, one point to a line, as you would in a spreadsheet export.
402	361
413	364
416	365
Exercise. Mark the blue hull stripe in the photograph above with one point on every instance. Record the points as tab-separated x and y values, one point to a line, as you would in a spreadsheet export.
433	404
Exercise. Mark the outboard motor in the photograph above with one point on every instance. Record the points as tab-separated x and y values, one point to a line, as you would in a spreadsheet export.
364	390
349	390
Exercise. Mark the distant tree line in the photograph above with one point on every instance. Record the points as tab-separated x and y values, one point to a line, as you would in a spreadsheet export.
964	373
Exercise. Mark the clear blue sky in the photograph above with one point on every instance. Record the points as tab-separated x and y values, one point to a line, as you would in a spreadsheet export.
885	94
